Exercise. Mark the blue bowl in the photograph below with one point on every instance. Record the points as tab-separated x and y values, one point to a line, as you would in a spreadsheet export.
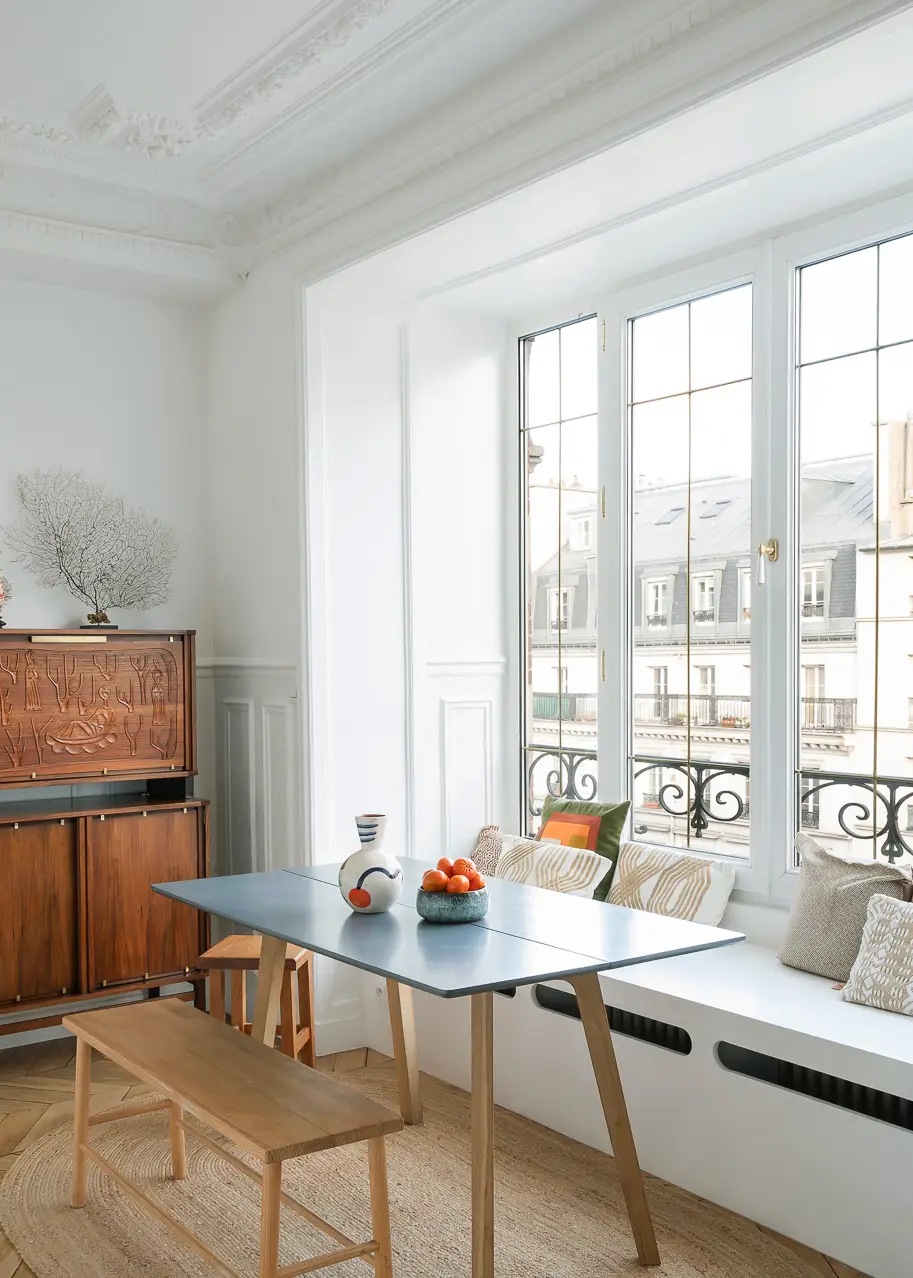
452	907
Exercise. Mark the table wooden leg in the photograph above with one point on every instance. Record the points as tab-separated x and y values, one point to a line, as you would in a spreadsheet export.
81	1122
608	1080
269	988
483	1151
405	1050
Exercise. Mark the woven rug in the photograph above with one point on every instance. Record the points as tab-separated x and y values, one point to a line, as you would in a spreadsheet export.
560	1212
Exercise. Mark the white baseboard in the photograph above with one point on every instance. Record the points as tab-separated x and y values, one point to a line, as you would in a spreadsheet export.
343	1029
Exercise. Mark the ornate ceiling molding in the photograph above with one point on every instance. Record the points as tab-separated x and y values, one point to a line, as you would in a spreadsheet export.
302	209
100	122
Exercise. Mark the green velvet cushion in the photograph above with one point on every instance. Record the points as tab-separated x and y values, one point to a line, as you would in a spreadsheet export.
610	827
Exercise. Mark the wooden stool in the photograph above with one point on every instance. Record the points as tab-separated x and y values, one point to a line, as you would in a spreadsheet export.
239	954
245	1091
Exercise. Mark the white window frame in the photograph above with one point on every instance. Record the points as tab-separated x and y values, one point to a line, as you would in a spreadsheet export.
559	609
703	584
659	585
771	268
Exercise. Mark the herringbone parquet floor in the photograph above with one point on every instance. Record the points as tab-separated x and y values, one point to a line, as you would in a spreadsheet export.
36	1095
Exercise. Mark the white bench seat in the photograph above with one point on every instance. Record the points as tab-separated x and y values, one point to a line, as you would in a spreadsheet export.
807	1168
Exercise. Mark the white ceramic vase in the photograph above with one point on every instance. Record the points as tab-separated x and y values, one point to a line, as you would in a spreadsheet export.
371	881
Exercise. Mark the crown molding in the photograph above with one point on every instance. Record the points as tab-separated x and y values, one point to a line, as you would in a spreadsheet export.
276	132
698	51
30	245
100	122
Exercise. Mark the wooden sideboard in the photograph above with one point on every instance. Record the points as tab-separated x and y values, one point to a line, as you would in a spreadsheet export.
78	916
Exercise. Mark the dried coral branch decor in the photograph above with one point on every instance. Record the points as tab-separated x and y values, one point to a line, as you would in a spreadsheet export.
75	531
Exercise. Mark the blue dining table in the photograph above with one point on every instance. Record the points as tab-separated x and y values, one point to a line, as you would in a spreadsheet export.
528	935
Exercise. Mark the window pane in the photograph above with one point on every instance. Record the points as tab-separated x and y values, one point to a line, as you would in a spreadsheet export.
543	381
837	409
660	354
578	369
720	436
561	675
721	338
856	579
895	393
692	600
896	291
839	306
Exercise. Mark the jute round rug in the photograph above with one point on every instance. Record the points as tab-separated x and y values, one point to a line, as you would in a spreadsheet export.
560	1212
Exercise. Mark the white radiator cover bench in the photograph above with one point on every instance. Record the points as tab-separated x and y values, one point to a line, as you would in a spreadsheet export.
814	1171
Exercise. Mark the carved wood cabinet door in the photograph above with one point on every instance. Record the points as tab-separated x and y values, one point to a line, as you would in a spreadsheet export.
118	707
39	910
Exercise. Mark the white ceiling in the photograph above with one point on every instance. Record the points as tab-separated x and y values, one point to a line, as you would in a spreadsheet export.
186	139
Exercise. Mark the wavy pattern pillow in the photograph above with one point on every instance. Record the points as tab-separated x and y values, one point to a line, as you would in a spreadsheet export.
595	827
829	913
487	850
575	871
882	975
662	881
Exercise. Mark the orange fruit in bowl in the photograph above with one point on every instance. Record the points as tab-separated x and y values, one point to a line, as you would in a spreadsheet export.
458	883
435	881
462	865
476	883
445	865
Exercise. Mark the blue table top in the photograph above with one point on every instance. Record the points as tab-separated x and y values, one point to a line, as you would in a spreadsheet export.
528	935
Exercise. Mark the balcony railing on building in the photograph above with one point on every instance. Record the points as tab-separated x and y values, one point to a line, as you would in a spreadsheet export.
813	610
707	796
703	614
705	710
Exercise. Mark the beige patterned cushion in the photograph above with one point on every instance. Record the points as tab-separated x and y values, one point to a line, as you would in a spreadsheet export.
487	850
829	912
662	881
550	865
882	975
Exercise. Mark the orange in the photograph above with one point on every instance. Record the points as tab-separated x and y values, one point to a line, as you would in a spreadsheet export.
463	865
476	882
459	883
435	881
446	866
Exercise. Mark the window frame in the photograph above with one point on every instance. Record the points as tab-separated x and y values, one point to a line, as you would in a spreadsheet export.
770	265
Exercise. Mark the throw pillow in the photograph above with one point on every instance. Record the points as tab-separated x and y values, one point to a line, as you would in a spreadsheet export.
595	827
829	913
662	881
882	975
574	871
487	850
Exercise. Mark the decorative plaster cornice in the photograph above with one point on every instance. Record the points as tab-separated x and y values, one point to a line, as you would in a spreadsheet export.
307	52
100	122
294	212
378	58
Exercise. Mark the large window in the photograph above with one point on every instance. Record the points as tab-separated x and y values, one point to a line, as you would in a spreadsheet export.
715	665
561	679
855	417
689	417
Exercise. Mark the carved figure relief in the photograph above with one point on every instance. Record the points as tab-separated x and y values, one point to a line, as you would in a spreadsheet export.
158	700
32	689
72	682
132	736
16	747
36	733
123	705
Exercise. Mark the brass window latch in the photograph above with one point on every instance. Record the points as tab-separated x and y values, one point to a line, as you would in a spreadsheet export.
768	553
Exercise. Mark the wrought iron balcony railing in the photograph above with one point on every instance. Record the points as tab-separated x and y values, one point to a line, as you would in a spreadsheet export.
655	619
818	714
813	610
876	811
703	614
574	707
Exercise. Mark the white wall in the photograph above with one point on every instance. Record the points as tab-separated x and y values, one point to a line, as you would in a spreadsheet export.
111	385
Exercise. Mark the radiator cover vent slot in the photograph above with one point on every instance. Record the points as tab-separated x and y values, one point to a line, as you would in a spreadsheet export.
868	1101
659	1033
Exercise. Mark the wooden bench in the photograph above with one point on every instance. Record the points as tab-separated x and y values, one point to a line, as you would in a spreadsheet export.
272	1107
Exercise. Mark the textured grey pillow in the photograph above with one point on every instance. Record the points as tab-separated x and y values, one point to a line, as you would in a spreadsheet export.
828	916
487	850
